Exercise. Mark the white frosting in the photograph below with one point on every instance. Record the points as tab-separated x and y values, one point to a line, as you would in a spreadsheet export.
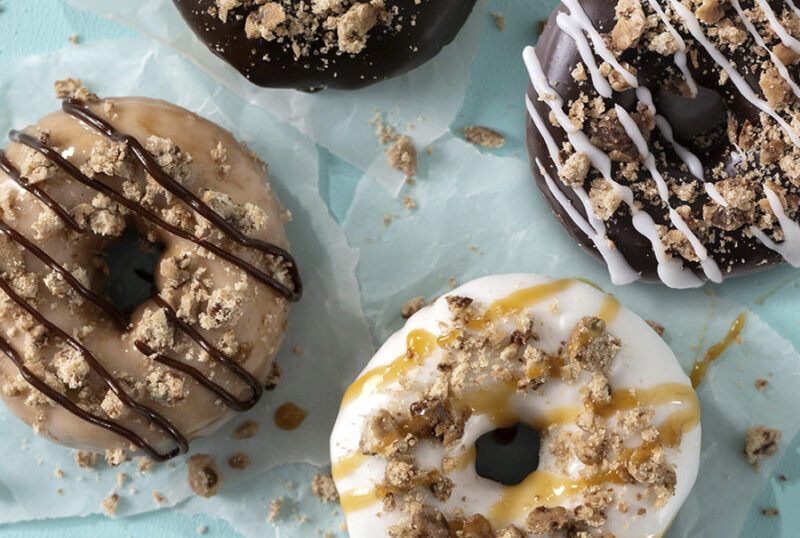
643	362
577	26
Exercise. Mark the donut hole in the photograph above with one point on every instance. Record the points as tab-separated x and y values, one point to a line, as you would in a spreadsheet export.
508	455
132	262
692	117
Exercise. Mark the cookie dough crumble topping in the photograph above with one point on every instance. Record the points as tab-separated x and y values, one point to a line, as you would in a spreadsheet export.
312	28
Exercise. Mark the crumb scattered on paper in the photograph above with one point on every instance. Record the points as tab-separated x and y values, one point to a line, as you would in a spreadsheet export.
246	430
761	443
499	20
323	488
110	504
484	137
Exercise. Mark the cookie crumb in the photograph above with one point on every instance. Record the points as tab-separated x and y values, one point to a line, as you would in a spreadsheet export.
239	461
73	39
761	443
409	203
484	137
323	488
110	504
73	88
657	327
412	306
275	510
499	20
761	384
86	460
246	430
205	478
770	512
158	497
402	156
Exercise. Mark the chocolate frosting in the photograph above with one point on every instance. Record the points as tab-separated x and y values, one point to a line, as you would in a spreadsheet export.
707	115
292	291
426	27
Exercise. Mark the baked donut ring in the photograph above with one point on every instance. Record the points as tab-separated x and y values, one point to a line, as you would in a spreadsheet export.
666	137
76	368
618	419
313	44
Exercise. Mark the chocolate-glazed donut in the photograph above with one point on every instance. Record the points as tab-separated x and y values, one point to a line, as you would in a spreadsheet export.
317	44
666	138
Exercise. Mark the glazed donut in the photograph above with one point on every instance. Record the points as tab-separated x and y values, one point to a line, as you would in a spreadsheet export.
665	134
77	368
314	44
618	418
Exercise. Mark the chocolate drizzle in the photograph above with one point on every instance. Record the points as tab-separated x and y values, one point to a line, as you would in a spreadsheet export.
79	111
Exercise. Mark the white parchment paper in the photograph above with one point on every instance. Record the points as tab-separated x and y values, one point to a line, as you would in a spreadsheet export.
409	101
478	214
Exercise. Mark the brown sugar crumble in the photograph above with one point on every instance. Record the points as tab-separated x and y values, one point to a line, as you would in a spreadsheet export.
110	505
205	478
484	137
246	430
86	460
499	21
761	384
402	156
239	461
761	443
323	488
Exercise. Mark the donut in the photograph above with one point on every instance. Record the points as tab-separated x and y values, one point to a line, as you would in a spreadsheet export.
315	44
665	134
617	418
78	368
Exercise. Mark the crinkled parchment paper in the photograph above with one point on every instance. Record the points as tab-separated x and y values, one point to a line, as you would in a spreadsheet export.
336	120
478	213
327	324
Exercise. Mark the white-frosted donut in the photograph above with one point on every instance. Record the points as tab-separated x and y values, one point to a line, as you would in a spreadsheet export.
181	362
392	472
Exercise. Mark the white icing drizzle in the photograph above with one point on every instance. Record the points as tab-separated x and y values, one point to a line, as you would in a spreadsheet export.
619	269
691	160
786	38
790	247
693	26
670	270
714	194
680	54
634	133
578	18
779	65
793	6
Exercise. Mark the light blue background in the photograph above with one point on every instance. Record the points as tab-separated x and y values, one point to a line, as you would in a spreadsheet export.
38	26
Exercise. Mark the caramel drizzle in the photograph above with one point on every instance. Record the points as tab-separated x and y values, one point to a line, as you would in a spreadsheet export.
78	111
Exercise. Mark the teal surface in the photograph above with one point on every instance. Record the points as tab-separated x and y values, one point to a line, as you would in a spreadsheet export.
38	26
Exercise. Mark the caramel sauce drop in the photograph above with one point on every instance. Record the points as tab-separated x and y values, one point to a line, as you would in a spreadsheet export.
290	416
701	367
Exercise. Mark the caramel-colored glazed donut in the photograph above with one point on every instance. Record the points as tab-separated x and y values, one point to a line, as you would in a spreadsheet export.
213	286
